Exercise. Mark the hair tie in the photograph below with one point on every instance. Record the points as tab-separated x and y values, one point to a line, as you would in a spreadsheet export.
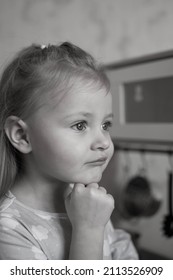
43	47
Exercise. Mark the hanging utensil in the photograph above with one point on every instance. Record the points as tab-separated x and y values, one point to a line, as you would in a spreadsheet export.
138	197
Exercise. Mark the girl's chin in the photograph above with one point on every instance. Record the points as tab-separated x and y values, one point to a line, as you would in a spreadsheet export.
92	179
87	177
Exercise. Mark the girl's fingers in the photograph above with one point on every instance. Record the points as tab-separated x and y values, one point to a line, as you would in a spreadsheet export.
78	187
96	186
103	189
68	190
111	200
92	185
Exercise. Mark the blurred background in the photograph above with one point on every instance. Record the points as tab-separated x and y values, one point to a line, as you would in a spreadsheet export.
113	31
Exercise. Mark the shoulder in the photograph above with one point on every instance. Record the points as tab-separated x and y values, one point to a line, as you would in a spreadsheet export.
6	201
10	216
14	220
16	238
9	210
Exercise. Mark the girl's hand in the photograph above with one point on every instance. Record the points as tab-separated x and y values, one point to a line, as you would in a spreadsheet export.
89	207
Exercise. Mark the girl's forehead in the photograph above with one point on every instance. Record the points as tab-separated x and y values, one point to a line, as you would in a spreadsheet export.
93	103
90	102
78	97
84	96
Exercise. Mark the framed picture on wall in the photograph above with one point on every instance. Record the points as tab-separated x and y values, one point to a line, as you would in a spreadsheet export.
142	92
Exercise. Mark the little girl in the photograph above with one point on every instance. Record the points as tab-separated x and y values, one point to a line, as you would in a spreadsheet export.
55	114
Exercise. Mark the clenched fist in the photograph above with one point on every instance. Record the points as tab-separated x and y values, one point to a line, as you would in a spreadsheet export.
89	206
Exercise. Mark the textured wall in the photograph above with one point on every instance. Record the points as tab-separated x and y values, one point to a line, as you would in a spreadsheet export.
111	30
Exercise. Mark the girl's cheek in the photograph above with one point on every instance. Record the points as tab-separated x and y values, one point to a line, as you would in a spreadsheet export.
111	149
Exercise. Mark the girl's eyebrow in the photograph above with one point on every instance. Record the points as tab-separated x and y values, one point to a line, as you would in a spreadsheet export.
87	114
111	115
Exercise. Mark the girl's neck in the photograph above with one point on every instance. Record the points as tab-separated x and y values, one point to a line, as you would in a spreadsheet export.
40	194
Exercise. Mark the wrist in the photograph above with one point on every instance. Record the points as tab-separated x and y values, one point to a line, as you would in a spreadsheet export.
87	243
89	231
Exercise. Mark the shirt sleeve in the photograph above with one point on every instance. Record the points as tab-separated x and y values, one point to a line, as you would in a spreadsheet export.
120	244
16	242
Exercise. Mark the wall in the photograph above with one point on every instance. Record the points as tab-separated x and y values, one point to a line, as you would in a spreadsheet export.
111	30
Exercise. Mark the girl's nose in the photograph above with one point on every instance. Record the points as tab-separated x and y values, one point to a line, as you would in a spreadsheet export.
101	141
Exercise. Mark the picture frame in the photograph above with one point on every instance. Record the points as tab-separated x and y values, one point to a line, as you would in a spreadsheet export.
142	90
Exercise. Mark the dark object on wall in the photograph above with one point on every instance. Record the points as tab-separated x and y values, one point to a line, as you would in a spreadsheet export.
138	199
168	220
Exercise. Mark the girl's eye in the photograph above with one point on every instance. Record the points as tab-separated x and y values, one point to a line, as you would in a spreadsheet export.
80	126
106	125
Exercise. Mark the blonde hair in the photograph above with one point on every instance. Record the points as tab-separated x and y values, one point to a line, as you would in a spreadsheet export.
26	81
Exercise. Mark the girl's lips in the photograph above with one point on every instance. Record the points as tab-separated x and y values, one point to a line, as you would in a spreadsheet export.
99	161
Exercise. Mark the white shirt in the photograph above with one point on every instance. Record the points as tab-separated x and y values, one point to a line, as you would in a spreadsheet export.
26	233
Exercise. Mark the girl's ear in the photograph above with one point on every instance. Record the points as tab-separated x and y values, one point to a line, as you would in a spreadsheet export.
17	133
